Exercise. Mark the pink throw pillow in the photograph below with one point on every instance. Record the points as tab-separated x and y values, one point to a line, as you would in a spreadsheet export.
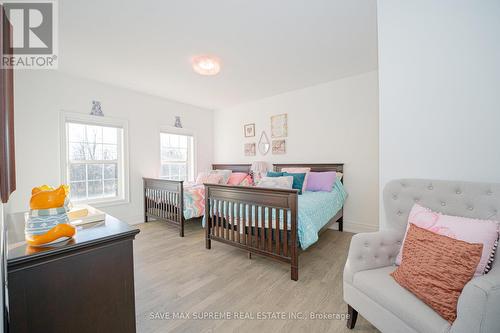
236	178
247	181
436	268
299	170
461	228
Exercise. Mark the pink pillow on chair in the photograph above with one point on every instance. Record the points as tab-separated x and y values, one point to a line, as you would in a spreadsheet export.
461	228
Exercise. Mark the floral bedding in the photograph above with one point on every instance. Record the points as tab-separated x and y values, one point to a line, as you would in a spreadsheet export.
194	200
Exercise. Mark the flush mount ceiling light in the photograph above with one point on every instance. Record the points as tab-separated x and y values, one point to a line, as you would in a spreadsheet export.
206	65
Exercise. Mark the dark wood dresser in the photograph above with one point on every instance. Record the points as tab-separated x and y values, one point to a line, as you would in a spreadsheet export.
83	285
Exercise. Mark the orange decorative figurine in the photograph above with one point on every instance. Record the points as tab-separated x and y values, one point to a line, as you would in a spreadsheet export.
48	220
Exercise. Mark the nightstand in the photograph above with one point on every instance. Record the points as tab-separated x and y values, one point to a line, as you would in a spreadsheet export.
85	284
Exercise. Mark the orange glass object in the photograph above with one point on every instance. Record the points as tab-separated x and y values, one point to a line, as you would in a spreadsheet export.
37	249
45	199
60	230
48	188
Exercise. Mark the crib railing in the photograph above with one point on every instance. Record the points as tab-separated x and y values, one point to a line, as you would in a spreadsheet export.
164	200
259	220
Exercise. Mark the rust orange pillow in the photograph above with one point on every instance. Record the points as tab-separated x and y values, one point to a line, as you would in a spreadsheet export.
435	268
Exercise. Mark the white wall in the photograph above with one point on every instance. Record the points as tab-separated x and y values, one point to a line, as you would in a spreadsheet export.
41	95
332	122
439	69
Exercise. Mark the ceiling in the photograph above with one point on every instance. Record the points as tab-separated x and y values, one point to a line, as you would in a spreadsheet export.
267	47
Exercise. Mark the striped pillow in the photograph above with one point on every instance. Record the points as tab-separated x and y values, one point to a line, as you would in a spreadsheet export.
276	182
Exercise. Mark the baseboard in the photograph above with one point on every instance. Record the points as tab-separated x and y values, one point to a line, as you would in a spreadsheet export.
132	220
355	227
136	222
349	226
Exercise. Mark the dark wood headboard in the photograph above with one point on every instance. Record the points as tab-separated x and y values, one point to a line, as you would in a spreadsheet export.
337	167
232	167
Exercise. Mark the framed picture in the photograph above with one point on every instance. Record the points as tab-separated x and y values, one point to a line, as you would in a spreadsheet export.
279	147
250	149
279	126
249	130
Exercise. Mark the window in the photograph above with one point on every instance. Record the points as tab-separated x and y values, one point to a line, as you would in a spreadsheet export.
177	156
94	165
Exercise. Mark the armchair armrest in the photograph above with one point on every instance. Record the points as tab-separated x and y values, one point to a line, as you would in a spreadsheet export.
479	304
372	250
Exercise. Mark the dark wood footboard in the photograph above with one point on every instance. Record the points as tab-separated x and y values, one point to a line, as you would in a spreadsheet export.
258	220
164	200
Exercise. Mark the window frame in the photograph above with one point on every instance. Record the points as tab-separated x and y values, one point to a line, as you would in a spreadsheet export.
123	196
185	132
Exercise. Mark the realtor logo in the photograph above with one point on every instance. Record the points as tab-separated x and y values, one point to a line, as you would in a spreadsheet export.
33	43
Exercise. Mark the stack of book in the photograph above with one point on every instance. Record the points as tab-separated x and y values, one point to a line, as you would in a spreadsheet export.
83	214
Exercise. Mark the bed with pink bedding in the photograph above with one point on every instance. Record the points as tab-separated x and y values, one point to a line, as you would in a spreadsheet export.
175	201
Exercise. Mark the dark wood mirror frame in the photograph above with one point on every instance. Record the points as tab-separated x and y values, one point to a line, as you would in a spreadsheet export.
7	160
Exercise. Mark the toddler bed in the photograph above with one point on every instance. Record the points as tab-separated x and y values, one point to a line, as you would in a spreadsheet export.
176	201
271	222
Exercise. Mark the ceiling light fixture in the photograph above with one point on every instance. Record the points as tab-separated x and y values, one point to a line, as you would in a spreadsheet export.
206	65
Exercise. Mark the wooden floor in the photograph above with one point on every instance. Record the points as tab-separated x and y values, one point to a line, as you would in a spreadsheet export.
178	276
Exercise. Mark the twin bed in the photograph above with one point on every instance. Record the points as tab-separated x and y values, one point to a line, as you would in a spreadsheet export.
276	223
176	201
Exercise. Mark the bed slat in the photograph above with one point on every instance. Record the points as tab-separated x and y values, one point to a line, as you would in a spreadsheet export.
285	234
277	222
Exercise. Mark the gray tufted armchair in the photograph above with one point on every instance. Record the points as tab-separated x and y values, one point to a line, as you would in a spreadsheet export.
371	291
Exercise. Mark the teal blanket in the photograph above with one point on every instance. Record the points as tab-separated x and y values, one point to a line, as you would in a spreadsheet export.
315	211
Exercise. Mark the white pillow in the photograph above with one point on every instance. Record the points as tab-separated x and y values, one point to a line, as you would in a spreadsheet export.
285	182
224	173
299	170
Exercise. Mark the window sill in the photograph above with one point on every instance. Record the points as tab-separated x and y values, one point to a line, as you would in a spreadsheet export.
102	203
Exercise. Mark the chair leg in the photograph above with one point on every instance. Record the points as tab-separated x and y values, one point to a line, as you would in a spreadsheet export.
353	316
249	255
